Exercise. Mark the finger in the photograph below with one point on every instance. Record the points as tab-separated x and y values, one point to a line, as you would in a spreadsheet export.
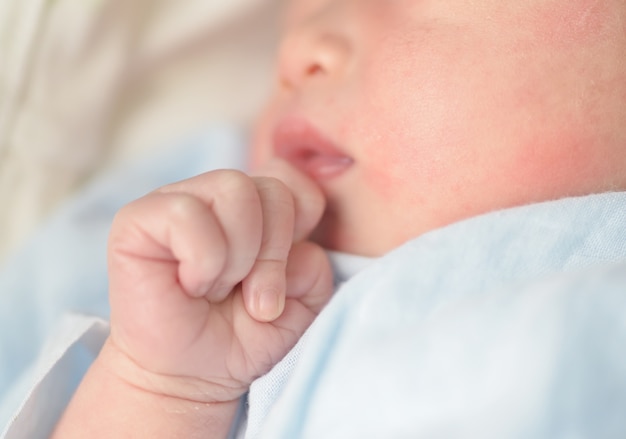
309	287
166	238
265	286
236	205
309	276
163	251
309	201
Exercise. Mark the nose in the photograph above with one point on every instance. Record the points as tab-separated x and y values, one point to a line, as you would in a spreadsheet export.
312	51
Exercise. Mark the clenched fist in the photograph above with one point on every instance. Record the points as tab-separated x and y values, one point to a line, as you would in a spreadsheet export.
212	281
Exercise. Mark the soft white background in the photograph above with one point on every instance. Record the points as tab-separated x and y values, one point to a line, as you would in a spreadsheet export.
87	84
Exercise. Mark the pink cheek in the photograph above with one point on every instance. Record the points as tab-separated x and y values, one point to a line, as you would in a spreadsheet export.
379	181
566	165
403	173
571	23
408	157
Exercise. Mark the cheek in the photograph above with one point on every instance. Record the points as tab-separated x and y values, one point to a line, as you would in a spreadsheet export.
455	125
414	168
554	166
416	128
453	167
563	24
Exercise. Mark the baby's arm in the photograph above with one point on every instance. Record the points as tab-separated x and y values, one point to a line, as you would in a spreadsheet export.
211	283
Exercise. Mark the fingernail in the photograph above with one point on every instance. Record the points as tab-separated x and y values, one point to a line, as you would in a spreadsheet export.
270	305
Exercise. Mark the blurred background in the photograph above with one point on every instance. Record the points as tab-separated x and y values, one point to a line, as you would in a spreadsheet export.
86	85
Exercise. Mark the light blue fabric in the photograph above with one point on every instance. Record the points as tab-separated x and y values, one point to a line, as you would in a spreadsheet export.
511	325
63	268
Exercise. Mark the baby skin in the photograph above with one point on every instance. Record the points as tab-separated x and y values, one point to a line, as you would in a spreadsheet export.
211	283
389	119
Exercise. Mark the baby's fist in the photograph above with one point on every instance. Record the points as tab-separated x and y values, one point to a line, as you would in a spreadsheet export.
211	282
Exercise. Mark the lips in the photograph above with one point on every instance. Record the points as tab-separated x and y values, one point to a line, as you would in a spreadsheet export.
304	147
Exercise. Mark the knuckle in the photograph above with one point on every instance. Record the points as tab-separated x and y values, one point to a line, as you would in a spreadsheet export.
275	251
236	189
272	184
180	205
276	192
212	182
232	180
127	214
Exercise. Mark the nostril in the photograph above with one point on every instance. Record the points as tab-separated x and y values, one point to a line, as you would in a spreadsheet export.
314	69
311	55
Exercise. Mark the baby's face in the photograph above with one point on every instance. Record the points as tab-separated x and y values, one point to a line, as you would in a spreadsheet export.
413	114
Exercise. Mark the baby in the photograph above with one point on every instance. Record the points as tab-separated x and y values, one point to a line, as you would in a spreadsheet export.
390	119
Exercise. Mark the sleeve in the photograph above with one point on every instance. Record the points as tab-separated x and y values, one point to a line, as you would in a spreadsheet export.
53	378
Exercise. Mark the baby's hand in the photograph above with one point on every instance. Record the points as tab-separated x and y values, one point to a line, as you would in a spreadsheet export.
212	282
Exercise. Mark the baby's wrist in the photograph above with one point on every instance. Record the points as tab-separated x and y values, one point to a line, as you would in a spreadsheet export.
107	404
122	367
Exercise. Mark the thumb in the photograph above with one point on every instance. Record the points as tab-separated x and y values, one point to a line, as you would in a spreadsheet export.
309	276
309	288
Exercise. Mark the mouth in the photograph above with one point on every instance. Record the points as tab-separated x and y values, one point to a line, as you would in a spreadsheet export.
299	143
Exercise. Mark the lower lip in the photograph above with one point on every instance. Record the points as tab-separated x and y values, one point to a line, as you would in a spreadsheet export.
319	165
307	150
